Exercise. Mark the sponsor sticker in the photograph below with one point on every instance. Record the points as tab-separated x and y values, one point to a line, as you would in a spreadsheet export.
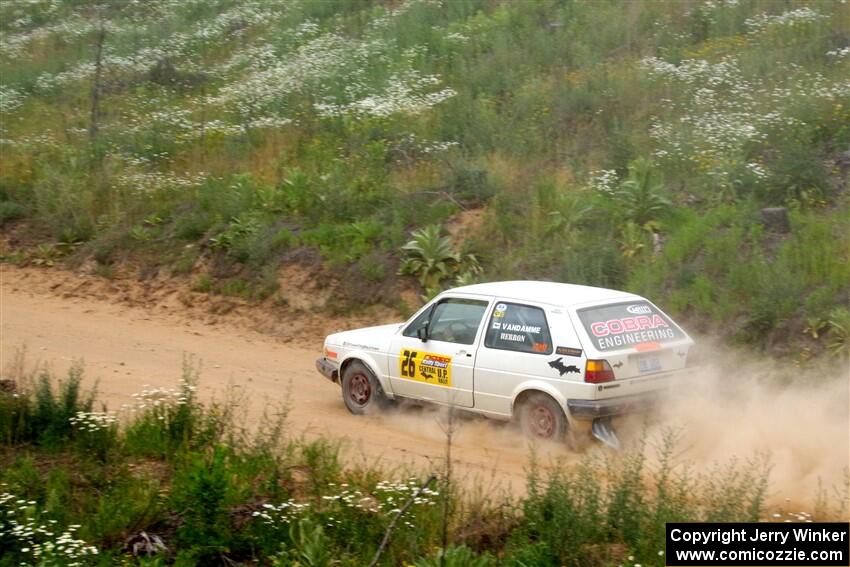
355	345
512	337
639	309
627	324
569	351
426	367
519	328
642	332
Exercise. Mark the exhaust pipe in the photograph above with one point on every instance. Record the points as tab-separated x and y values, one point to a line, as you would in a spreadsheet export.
602	430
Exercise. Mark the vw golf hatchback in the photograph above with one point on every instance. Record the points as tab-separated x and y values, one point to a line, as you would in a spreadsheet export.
558	358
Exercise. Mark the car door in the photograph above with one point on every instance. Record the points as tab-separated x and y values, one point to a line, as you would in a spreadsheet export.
439	368
517	347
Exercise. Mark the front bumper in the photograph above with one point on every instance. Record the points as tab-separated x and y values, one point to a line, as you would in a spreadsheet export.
612	407
327	368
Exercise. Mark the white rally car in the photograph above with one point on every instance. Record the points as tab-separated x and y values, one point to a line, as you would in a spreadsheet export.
557	357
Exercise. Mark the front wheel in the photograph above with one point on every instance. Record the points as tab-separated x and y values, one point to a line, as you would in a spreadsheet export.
540	417
361	391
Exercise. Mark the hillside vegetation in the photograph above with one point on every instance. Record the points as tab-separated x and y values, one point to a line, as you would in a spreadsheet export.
621	144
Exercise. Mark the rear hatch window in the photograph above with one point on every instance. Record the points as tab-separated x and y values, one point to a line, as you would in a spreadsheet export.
628	325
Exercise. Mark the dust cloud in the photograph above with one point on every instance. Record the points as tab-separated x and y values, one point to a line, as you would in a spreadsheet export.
733	408
744	407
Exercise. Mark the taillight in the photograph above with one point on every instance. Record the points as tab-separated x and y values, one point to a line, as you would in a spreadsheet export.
597	371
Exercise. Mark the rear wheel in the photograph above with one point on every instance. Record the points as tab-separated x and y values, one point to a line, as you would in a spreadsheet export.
542	418
361	391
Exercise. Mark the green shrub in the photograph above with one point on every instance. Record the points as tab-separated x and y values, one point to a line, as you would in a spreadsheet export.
130	500
594	513
39	413
169	419
10	211
839	331
310	547
470	184
639	198
201	493
456	556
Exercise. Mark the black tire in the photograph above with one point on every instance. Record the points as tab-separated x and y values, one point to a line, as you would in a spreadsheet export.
361	391
540	417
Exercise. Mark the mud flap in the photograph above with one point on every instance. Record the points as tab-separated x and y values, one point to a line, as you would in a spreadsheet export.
602	430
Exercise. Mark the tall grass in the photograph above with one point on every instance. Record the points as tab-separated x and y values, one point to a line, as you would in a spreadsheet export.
41	412
226	494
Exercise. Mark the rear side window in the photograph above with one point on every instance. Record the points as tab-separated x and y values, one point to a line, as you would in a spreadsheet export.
521	328
627	325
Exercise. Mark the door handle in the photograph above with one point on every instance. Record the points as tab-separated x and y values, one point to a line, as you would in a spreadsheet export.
463	353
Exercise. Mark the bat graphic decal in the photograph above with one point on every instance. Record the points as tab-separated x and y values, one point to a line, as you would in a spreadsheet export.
619	364
559	366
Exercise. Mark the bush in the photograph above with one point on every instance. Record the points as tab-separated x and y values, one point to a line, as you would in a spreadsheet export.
201	492
639	198
610	507
36	412
168	420
10	211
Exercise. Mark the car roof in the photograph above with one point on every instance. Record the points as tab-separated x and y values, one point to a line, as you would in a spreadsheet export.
553	293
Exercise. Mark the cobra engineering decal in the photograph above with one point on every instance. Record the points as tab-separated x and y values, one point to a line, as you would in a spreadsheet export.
427	367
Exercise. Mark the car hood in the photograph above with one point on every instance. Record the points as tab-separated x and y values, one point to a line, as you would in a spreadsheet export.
369	338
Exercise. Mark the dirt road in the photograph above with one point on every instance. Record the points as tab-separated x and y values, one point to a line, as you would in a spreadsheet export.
128	348
801	427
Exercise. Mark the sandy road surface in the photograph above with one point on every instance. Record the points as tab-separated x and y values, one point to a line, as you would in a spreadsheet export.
742	411
126	348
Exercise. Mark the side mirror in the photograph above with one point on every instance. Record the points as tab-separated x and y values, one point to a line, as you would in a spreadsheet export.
422	332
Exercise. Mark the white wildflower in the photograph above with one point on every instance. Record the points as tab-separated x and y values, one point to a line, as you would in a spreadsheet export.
796	17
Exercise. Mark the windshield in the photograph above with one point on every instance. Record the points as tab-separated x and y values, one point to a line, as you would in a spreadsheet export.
627	325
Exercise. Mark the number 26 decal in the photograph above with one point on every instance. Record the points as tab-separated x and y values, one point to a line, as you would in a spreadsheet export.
408	364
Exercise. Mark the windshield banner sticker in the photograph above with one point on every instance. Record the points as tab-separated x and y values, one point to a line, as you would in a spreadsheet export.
630	331
627	326
427	367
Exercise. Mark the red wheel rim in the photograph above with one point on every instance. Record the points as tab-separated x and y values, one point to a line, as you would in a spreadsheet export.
542	422
360	390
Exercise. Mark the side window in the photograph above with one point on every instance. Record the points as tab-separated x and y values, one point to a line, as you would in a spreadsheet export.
518	327
453	320
420	320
